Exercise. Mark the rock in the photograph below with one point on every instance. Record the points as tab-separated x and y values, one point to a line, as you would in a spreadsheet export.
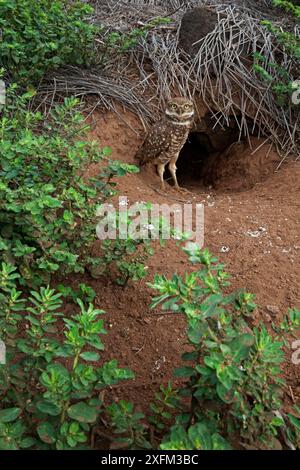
2	352
273	309
195	25
267	318
96	271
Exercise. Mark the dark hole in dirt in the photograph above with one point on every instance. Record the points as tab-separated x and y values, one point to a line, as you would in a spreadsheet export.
199	156
194	158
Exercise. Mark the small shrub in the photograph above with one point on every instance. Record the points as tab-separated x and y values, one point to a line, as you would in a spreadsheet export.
47	206
129	424
233	375
288	6
293	430
84	292
281	82
43	35
126	256
50	385
166	403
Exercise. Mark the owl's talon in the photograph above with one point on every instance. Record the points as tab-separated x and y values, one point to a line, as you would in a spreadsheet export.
160	190
182	190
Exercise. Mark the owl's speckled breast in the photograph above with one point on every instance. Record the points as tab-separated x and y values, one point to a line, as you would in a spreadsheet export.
178	135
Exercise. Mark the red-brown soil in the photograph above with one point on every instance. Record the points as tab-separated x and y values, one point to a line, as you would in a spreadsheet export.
253	211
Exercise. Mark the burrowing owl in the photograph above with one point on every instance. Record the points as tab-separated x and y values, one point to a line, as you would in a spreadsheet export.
166	138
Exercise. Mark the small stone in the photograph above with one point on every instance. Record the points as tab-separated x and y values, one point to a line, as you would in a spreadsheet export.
267	318
273	309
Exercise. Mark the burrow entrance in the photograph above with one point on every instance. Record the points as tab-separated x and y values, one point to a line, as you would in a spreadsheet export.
198	160
202	154
219	159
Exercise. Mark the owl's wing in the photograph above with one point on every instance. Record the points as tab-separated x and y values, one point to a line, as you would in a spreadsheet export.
156	142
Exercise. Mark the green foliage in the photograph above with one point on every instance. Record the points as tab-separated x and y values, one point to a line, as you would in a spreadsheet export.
282	88
233	372
119	43
166	404
127	256
275	74
288	6
128	423
293	431
47	206
50	384
13	431
289	41
291	322
84	292
199	436
43	35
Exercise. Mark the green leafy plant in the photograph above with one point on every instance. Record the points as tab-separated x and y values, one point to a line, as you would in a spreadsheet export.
13	431
84	292
293	431
233	375
51	384
39	36
288	6
290	323
289	41
129	424
163	409
198	436
47	206
125	255
282	89
281	82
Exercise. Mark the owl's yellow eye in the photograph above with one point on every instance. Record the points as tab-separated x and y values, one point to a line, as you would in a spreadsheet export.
173	106
186	106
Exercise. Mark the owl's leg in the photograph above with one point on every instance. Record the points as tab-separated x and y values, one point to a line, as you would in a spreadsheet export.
173	168
160	171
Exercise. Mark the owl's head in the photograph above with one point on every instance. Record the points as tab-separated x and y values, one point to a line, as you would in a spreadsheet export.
180	110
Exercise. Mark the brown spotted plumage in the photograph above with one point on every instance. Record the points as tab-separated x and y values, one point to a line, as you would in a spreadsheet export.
166	138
